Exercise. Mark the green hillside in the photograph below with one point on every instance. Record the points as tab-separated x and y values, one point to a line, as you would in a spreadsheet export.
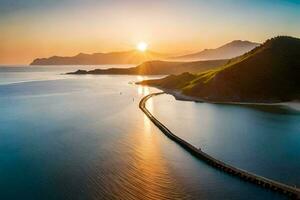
268	73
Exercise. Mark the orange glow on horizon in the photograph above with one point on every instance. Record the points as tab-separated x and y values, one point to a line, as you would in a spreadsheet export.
70	27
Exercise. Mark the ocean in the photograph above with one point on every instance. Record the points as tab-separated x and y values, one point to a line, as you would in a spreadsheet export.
84	137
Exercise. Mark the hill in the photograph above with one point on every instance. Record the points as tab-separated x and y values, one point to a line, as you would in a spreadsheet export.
159	68
126	57
268	73
227	51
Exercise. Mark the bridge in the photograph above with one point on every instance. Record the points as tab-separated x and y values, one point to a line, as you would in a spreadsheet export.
292	192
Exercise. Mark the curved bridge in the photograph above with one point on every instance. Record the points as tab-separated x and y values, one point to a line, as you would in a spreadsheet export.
290	191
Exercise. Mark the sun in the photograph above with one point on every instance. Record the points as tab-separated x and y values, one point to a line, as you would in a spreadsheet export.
142	46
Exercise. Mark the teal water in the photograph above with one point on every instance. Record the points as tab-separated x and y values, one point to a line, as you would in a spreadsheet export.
264	139
84	137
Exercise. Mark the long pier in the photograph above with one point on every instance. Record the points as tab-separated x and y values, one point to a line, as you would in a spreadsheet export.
292	192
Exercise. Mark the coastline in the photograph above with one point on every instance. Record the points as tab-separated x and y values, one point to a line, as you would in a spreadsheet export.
182	97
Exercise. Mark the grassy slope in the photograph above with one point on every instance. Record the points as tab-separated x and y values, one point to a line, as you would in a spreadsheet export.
269	73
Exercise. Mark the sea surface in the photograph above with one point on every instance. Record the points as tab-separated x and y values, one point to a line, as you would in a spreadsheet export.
84	137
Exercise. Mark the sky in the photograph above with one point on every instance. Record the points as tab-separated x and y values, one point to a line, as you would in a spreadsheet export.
35	28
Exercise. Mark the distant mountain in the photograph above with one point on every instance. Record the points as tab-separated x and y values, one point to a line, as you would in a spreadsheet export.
230	50
227	51
268	73
126	57
159	68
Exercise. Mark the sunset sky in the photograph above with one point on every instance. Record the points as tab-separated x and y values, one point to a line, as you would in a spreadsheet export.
34	28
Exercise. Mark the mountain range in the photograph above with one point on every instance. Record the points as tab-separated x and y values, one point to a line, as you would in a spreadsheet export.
230	50
125	57
227	51
269	73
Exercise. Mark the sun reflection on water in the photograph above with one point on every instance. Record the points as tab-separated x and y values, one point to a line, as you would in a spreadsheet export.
143	90
140	78
153	177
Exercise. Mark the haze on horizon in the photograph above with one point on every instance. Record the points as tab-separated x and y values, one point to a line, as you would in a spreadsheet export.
31	28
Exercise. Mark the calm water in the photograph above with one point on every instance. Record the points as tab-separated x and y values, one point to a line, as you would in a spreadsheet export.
84	137
260	139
